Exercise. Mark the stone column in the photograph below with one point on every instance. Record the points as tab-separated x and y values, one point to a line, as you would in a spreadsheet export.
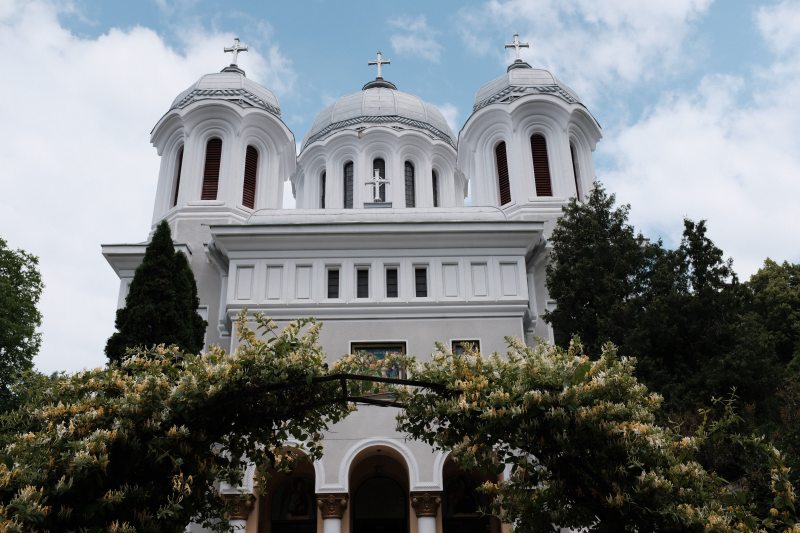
426	505
240	506
332	507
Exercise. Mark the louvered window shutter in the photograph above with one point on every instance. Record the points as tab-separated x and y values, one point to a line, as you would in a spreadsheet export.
410	194
211	169
178	169
250	172
380	165
541	166
503	184
348	185
322	191
435	184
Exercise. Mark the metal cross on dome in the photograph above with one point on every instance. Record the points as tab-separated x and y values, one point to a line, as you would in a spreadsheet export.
235	49
379	60
376	183
516	45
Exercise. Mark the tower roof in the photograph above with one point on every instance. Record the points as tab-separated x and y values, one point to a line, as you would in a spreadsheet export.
521	80
230	85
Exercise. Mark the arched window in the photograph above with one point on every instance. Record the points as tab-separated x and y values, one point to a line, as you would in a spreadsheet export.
322	190
575	170
503	184
541	165
435	185
211	169
348	185
250	172
410	193
380	165
178	169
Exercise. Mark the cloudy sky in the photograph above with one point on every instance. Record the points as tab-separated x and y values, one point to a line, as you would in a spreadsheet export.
698	101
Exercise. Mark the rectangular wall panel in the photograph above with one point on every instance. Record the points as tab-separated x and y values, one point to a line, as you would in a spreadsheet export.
508	279
244	283
302	282
450	280
274	282
479	275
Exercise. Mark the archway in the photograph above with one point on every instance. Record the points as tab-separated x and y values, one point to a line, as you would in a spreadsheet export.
379	489
289	503
463	505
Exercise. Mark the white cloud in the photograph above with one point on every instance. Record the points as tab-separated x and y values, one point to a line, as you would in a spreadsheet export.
78	169
727	152
416	39
592	44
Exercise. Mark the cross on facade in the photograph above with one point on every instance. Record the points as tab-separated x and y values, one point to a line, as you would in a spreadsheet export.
235	49
379	60
516	45
376	183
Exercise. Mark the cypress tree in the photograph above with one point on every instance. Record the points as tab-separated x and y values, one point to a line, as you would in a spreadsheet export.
161	306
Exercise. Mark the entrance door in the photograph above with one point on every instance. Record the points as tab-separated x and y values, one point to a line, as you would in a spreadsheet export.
380	505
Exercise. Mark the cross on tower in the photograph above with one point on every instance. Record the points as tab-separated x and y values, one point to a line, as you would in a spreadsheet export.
379	60
516	45
376	183
235	49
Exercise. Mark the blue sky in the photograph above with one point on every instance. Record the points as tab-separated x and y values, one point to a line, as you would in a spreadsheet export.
697	99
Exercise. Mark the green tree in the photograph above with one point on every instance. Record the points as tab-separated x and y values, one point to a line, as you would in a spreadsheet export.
585	447
161	306
20	288
597	265
140	446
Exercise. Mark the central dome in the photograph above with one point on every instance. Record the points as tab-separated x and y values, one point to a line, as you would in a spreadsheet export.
380	104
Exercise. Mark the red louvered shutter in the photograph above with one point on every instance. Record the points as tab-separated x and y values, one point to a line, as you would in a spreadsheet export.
503	184
250	172
211	169
541	166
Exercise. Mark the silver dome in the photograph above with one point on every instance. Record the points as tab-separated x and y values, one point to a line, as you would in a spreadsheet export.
521	80
230	85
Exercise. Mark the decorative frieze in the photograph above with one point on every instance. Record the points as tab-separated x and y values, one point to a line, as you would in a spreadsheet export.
239	505
332	505
426	503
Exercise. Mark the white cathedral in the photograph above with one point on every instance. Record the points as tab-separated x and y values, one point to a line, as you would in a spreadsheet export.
381	248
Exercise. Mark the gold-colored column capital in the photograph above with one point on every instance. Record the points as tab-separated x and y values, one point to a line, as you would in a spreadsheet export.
426	503
332	505
240	505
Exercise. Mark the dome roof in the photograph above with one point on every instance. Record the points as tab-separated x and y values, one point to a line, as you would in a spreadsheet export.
520	80
232	86
380	103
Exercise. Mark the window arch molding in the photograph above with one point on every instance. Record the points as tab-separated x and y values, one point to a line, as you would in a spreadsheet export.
486	190
578	138
336	161
377	149
199	141
445	170
266	168
169	170
415	155
554	139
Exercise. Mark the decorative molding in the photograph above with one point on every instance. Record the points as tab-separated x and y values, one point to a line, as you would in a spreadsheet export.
332	505
426	503
241	97
380	119
508	94
240	505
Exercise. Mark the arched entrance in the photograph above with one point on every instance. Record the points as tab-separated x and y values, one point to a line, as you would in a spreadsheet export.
463	505
379	493
289	505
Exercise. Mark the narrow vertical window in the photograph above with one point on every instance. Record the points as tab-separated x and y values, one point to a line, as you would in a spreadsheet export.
421	282
362	282
178	169
380	165
211	169
391	282
250	172
435	185
333	283
410	192
575	170
541	166
348	185
503	184
322	190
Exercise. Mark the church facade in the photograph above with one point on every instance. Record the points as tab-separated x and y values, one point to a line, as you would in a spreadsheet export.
381	248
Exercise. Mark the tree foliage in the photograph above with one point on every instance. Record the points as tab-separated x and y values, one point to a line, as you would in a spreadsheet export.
161	306
20	288
585	447
140	446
